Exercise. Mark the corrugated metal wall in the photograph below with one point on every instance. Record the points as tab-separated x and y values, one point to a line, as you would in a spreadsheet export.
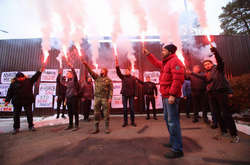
26	55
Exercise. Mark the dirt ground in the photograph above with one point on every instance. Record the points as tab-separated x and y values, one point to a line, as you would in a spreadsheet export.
141	145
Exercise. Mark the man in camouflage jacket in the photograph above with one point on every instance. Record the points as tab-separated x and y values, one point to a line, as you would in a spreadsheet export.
102	96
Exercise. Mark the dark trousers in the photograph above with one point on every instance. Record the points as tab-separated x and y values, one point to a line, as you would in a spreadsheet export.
17	113
60	101
125	100
86	107
188	104
220	106
200	103
73	110
150	99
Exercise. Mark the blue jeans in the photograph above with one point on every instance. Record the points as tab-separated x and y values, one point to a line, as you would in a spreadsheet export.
125	100
172	118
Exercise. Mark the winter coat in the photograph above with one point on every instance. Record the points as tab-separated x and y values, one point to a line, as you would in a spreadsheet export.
171	74
87	91
60	86
103	85
149	88
128	84
216	80
198	85
21	92
72	86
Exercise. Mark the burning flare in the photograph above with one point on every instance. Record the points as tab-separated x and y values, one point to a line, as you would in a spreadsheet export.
64	48
78	47
115	49
46	55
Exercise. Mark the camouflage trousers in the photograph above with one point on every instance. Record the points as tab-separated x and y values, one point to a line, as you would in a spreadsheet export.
101	104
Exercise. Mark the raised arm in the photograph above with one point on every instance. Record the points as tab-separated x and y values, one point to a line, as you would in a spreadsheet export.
118	72
157	63
91	72
219	60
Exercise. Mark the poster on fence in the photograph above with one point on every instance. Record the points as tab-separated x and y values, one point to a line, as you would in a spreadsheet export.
47	89
3	108
76	70
117	101
44	101
154	76
117	88
158	100
49	75
4	89
7	76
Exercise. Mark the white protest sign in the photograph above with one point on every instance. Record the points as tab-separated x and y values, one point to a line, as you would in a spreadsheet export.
7	76
3	108
44	101
4	89
49	75
47	89
154	76
117	101
117	88
76	70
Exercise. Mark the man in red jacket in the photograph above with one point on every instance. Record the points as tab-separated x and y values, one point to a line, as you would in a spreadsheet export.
171	80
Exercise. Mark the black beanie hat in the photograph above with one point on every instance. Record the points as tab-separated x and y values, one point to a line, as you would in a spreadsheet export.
19	74
171	48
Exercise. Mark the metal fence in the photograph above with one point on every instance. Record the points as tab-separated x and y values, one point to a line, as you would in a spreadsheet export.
26	55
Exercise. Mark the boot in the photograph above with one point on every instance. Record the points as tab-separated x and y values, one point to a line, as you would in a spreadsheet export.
107	130
148	117
96	129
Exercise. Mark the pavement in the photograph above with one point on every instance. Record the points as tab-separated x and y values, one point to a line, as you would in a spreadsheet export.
141	145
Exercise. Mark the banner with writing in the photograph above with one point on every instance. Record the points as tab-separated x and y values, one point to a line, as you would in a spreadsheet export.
49	75
44	101
154	76
3	108
47	89
7	76
4	89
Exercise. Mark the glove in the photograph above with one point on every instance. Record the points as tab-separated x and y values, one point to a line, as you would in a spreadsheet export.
213	50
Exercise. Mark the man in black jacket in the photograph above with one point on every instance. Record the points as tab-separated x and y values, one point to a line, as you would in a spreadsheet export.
150	92
219	92
128	92
198	93
20	93
87	95
72	97
60	92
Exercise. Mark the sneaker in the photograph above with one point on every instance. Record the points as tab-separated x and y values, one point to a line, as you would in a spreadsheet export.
32	129
63	116
236	139
69	127
95	131
75	129
147	118
225	134
206	121
133	124
107	131
124	124
188	116
57	116
214	126
195	120
168	145
173	154
15	131
155	118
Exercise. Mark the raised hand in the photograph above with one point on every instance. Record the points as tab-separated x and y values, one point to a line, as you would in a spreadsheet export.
145	51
